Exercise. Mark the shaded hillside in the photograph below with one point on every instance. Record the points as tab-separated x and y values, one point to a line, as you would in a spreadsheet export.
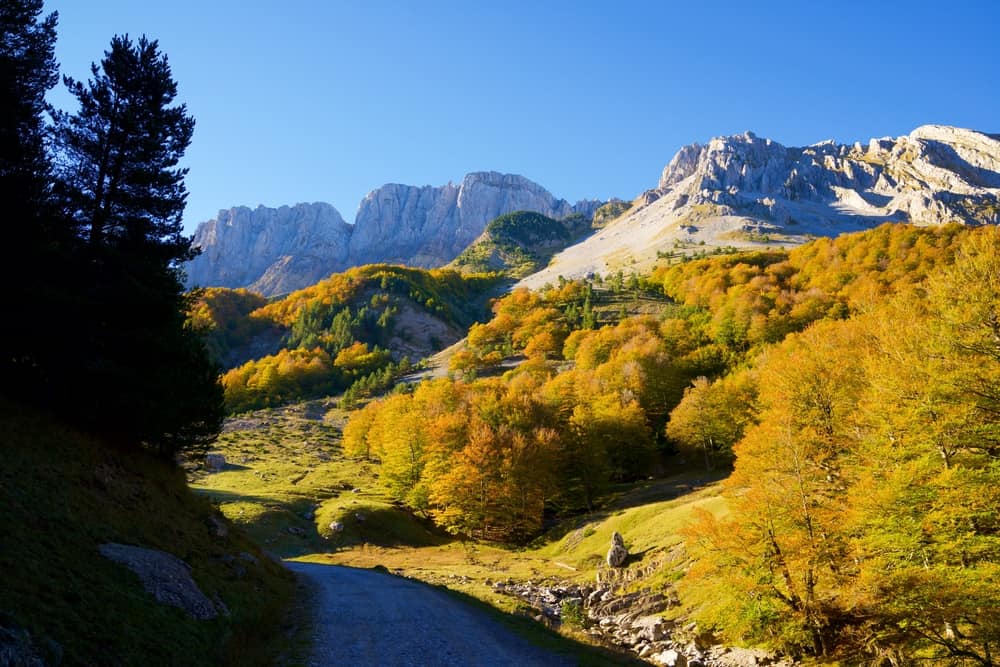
366	325
518	244
63	495
232	336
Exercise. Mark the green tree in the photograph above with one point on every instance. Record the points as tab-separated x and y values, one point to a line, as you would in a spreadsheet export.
146	375
711	417
27	71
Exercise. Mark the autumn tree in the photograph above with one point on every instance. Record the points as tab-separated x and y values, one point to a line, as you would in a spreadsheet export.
925	524
712	416
774	571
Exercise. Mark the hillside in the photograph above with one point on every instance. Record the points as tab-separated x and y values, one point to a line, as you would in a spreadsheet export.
520	243
355	330
64	495
276	251
746	191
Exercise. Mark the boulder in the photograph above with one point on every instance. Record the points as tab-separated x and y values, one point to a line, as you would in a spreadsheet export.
19	649
651	628
336	527
215	461
670	658
617	554
217	526
164	576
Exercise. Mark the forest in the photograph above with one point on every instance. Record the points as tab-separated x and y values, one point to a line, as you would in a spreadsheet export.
851	384
356	332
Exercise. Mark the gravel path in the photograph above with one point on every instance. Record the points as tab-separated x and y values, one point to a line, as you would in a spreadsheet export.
370	618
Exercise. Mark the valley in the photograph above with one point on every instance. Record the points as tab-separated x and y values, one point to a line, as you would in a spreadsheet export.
671	408
747	417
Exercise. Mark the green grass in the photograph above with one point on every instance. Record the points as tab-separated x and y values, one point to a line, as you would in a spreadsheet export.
287	480
63	494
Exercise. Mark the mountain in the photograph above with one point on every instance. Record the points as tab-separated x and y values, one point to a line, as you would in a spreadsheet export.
746	191
276	251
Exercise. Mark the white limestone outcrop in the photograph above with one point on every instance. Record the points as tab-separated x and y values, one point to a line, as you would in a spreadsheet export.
747	191
275	251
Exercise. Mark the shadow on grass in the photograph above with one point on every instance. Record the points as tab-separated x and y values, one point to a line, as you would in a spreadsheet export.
637	557
388	527
288	526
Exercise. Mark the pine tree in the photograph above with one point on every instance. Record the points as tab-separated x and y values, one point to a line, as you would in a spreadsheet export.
27	71
146	377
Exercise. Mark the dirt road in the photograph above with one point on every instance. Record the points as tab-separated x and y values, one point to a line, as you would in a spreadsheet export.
369	618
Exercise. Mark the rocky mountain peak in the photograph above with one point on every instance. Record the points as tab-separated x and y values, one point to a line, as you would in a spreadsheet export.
748	191
240	245
274	251
681	166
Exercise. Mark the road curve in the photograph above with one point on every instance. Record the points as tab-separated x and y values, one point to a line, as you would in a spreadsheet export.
370	618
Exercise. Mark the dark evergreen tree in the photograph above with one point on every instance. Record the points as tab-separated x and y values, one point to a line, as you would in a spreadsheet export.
146	375
27	71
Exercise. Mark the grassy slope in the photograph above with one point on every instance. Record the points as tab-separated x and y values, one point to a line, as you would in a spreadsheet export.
288	461
520	243
286	481
62	495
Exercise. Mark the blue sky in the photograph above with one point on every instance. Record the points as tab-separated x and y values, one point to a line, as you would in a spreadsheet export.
311	100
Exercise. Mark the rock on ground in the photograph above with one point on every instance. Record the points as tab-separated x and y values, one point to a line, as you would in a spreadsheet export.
164	576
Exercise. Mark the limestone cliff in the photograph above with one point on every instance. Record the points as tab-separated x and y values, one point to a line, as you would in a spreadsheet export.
274	251
747	191
266	248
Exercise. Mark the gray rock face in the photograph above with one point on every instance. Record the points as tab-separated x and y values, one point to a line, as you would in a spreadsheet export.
262	248
747	191
275	251
164	576
920	178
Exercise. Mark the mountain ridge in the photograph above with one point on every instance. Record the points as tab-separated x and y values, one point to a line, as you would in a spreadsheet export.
745	191
278	250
